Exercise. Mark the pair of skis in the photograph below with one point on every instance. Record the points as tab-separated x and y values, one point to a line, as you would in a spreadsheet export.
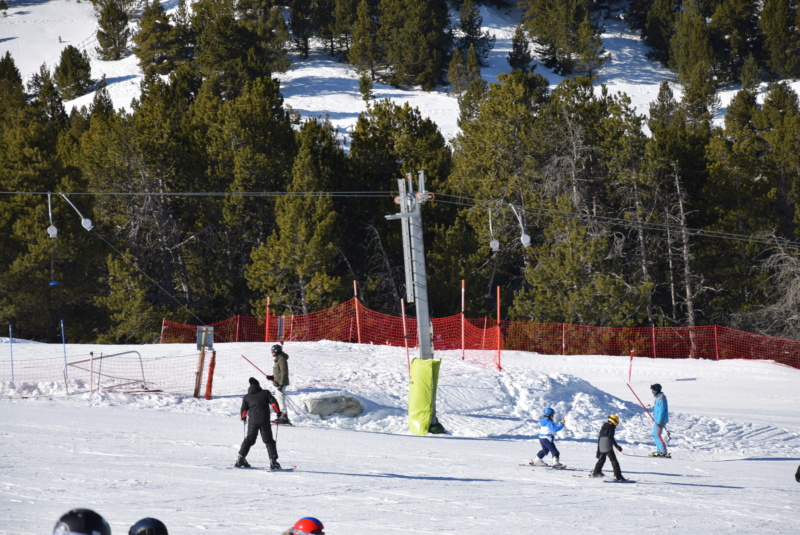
281	469
649	455
571	469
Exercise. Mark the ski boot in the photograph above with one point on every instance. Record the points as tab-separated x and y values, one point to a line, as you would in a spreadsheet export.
274	465
241	462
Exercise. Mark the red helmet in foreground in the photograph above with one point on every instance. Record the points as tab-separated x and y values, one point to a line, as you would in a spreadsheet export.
308	526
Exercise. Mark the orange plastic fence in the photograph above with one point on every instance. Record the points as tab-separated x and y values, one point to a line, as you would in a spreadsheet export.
481	340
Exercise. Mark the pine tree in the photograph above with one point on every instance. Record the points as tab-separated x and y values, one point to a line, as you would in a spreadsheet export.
113	34
691	44
780	40
73	73
4	7
251	147
554	26
12	92
590	54
46	97
751	74
364	50
135	319
777	123
470	24
300	23
520	56
573	280
659	28
417	42
345	13
457	72
365	86
324	23
297	267
155	40
734	35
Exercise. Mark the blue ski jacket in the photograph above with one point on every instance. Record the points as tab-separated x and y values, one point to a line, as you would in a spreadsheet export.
549	428
660	409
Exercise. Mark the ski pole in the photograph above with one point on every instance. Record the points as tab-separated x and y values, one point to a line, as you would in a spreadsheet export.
642	404
295	407
254	366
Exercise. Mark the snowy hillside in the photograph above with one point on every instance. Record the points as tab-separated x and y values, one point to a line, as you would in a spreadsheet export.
35	32
734	425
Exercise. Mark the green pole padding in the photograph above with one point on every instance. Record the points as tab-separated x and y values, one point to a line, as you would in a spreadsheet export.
422	394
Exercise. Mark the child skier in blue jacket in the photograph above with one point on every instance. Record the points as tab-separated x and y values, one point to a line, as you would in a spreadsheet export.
547	433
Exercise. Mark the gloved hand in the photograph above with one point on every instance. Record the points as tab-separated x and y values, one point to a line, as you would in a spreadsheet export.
619	449
597	455
271	378
244	418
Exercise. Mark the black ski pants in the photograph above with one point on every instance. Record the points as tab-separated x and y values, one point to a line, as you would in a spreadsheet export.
614	463
266	435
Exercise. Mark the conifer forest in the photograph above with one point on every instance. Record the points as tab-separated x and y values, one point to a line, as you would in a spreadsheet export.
210	195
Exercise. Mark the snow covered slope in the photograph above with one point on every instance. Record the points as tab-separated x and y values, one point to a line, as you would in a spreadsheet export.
734	424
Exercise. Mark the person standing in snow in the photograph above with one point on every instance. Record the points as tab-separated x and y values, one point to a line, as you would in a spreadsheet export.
660	419
256	404
547	433
797	474
280	378
605	449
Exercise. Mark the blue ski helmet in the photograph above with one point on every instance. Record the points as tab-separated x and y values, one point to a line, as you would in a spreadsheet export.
548	411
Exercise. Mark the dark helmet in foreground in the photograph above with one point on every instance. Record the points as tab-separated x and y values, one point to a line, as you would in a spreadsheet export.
308	526
276	349
82	522
148	526
656	387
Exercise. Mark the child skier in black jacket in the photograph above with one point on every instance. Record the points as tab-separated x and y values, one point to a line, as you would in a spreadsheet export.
605	448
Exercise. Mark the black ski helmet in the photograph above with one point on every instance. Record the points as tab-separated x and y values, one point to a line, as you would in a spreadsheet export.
148	526
276	349
82	521
656	387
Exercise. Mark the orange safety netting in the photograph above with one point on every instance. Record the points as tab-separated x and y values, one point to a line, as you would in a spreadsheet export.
482	340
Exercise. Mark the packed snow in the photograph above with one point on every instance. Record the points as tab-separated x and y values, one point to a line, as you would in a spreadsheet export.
734	426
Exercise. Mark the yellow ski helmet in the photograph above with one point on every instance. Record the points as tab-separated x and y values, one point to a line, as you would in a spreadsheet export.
613	419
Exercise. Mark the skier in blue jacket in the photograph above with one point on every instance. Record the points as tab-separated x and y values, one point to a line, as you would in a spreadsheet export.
547	433
660	419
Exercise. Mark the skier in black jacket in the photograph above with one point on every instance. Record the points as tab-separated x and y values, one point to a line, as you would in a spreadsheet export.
256	403
605	448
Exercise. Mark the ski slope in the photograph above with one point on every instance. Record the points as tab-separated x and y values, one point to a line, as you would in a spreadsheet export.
735	443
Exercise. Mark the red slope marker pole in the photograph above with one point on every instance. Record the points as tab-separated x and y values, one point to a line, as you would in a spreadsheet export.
630	367
642	404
